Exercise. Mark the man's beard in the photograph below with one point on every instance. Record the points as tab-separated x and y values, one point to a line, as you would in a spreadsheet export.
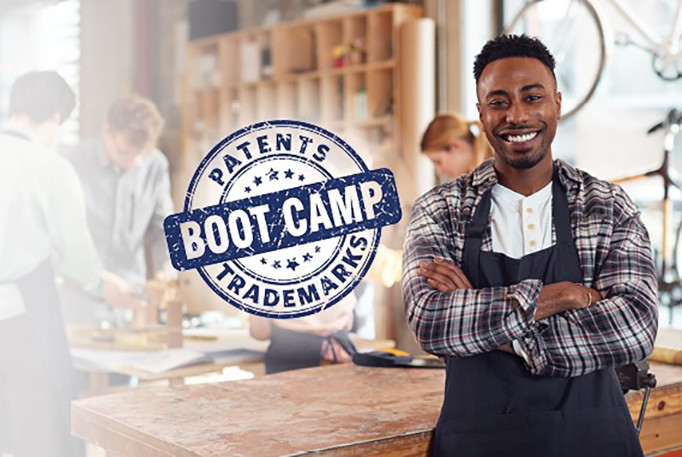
525	161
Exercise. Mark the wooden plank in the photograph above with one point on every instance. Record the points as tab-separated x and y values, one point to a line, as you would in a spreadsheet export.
663	432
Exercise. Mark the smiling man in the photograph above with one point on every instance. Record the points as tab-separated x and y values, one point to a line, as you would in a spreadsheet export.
533	279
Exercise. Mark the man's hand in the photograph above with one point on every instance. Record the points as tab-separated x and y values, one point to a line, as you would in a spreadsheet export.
443	275
564	296
118	293
507	348
332	351
259	327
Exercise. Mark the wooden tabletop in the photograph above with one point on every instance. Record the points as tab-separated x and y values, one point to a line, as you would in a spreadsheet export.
333	410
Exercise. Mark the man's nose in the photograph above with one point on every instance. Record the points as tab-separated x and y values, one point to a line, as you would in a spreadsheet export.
517	114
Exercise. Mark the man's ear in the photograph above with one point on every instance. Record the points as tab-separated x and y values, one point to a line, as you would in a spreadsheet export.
557	100
478	108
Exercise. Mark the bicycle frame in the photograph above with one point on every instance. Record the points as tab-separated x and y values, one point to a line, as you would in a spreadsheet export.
670	46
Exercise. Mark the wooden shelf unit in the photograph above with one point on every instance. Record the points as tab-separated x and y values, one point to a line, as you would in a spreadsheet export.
288	71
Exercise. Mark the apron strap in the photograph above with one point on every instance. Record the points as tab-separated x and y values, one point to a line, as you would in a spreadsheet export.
562	220
473	240
564	237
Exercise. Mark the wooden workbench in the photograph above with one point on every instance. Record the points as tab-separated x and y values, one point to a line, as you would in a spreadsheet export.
340	409
335	411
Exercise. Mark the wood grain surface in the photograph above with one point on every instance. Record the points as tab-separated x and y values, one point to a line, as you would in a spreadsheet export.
339	410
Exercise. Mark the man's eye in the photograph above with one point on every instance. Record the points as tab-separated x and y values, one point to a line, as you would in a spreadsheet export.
497	103
533	98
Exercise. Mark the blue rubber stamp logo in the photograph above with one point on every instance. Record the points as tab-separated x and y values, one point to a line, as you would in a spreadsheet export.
282	219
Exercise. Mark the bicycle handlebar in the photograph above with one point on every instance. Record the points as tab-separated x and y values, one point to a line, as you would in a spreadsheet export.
674	117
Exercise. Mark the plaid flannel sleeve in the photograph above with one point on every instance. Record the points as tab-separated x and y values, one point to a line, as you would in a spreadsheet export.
615	331
463	322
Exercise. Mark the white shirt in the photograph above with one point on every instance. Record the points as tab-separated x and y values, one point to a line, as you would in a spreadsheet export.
126	210
42	215
520	226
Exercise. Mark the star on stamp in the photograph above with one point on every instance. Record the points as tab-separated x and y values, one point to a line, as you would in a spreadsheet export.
282	219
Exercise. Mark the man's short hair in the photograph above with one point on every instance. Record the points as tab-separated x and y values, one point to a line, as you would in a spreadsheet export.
504	46
137	118
40	95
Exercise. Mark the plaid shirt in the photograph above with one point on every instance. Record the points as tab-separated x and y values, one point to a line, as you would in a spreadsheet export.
615	258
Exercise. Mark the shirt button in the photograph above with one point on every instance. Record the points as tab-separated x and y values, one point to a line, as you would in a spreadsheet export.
529	210
531	226
532	243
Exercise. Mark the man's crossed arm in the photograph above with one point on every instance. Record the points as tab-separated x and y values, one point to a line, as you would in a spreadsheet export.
554	325
554	298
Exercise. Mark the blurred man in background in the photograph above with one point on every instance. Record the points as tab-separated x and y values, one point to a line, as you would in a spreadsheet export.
43	231
127	195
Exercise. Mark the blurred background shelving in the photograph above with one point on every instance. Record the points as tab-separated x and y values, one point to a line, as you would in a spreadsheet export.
329	71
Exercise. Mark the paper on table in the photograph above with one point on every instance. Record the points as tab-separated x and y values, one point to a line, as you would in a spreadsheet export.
153	362
232	347
105	360
162	361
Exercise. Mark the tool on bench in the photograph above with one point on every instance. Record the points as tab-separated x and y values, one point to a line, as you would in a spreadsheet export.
393	358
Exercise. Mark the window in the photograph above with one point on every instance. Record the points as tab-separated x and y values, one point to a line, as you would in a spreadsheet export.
49	37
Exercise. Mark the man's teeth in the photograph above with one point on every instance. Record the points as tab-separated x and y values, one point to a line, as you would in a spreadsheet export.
521	138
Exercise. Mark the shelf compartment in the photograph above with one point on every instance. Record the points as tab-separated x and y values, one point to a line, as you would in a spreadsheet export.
381	101
204	70
228	110
246	112
355	37
294	50
207	109
266	101
357	97
382	36
333	95
308	98
329	42
287	100
229	62
255	51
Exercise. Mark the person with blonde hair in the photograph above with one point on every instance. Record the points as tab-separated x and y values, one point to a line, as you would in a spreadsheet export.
455	145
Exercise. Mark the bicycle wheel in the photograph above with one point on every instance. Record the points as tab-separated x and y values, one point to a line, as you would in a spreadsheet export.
574	33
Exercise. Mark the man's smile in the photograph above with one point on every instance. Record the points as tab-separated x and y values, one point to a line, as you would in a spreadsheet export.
519	138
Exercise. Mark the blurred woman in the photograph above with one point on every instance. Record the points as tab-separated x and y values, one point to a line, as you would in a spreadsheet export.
455	145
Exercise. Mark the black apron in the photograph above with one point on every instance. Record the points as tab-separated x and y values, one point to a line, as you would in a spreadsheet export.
493	406
292	350
55	386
